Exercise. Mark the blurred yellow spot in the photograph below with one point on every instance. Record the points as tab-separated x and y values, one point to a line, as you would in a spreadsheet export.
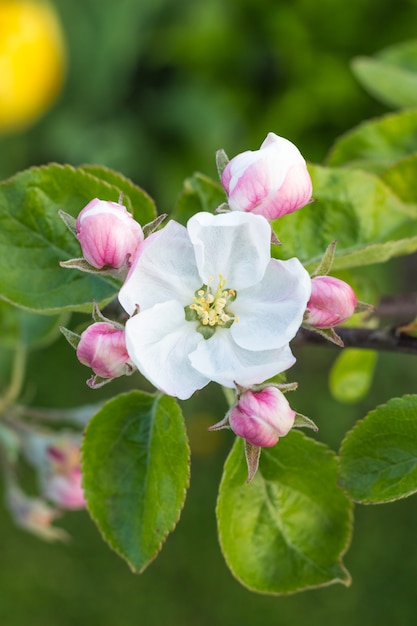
32	61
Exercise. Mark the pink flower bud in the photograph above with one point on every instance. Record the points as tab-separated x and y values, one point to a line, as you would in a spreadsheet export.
108	234
65	490
62	484
271	181
102	347
34	515
332	302
261	417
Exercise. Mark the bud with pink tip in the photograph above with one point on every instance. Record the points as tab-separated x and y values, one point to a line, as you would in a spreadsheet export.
332	302
108	234
262	417
271	181
34	514
62	484
102	346
57	460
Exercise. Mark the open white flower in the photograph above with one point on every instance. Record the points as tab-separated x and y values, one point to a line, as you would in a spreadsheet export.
213	305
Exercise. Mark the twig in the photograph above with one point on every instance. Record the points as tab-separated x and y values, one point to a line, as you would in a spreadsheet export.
381	339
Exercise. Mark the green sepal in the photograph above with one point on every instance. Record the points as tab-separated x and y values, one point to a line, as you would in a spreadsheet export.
252	456
301	421
328	333
221	161
326	263
69	221
72	338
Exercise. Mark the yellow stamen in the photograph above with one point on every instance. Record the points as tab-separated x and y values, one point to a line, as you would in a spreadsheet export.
211	307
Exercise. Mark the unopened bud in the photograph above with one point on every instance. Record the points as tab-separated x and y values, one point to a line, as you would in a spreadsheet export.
33	514
271	181
332	302
108	234
262	417
62	484
102	347
57	460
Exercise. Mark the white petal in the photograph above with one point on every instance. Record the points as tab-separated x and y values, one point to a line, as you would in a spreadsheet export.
159	341
271	312
165	270
221	360
235	245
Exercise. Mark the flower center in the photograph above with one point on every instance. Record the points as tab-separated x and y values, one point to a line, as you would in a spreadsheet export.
211	309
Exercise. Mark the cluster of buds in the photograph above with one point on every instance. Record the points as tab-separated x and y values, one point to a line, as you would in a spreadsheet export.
274	181
110	240
270	182
62	482
55	458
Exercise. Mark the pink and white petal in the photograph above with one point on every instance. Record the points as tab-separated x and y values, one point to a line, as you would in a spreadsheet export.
282	151
294	193
159	341
222	360
164	270
235	245
271	312
237	167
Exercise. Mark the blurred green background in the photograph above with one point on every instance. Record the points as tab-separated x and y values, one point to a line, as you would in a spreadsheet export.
153	90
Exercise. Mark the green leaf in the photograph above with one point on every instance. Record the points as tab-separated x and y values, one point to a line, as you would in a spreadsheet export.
199	193
401	178
378	143
288	529
136	473
34	239
352	374
378	457
135	199
390	76
358	210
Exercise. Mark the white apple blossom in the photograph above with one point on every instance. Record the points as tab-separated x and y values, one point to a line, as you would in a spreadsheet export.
212	305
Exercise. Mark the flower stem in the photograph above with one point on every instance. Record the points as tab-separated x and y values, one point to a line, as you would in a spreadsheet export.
230	396
16	379
381	339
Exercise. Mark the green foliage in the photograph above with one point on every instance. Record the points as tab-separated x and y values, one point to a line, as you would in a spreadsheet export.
376	144
135	199
136	473
199	193
288	529
391	75
358	210
400	177
352	374
30	329
378	456
33	240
